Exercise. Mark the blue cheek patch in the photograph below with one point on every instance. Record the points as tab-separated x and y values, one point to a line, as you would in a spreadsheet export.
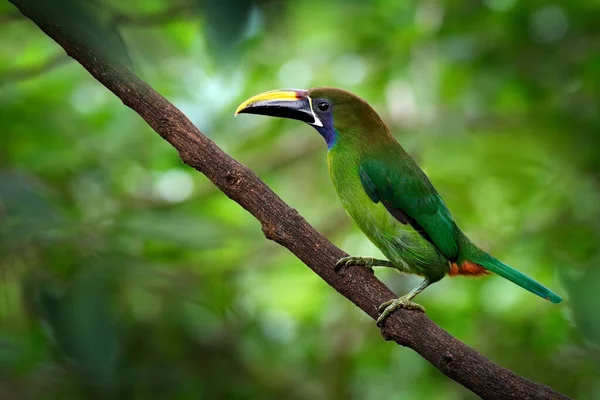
327	131
331	138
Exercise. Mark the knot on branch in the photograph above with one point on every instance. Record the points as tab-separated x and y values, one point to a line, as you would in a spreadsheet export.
274	232
448	358
281	231
165	122
233	178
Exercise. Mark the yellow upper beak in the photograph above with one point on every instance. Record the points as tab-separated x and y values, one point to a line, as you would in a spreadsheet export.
272	97
284	103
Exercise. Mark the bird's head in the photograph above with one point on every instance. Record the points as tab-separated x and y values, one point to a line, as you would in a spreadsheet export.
338	115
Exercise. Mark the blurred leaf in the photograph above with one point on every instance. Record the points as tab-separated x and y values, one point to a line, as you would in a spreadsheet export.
80	321
172	227
26	210
584	297
226	21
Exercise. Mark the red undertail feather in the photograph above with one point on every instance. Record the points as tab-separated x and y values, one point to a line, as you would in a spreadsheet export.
467	268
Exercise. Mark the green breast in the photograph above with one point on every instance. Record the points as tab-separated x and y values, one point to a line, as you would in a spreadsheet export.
400	243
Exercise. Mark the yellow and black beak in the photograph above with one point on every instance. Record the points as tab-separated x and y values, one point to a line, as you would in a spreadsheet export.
283	103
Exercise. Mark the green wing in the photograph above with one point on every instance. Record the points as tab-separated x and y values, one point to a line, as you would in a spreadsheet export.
409	196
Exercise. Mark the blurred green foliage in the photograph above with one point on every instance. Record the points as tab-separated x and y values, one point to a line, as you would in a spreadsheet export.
126	274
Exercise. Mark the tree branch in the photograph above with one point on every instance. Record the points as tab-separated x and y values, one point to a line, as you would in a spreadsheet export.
285	226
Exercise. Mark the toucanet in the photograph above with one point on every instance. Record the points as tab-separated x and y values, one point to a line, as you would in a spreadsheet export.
386	193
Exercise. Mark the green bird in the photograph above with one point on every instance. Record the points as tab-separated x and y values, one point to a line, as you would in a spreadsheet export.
386	193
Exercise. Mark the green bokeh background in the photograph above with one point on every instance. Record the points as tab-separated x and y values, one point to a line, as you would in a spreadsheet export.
126	274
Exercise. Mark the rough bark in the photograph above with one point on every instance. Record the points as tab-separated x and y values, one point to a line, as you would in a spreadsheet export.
284	225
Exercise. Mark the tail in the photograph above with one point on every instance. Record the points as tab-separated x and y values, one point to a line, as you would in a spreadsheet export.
472	253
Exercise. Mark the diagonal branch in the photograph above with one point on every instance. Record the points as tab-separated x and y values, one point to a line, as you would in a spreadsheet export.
286	227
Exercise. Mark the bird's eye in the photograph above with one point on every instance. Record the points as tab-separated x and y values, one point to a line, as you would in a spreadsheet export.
323	106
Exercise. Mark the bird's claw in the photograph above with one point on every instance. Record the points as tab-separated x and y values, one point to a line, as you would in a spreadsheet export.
366	262
390	306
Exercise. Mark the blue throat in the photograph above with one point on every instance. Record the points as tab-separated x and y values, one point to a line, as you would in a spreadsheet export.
327	131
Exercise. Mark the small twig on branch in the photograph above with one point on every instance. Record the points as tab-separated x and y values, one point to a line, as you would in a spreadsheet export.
283	225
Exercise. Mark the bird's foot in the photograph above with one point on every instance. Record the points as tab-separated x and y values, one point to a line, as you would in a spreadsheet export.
366	262
389	306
